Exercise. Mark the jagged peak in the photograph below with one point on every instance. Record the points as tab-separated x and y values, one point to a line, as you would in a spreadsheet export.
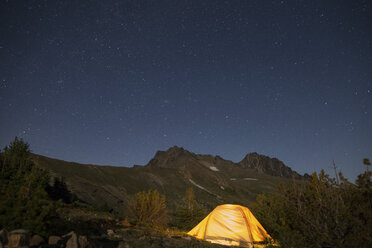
248	155
171	149
162	158
175	157
268	165
175	149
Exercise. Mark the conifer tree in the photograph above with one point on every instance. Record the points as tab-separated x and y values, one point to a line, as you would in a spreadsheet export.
24	202
190	213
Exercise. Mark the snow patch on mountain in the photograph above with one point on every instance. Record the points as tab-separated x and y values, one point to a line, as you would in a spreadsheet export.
250	179
201	187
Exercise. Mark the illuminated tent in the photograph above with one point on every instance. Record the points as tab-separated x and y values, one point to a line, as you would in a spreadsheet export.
230	225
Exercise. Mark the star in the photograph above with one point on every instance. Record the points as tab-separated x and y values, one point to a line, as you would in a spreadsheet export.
233	79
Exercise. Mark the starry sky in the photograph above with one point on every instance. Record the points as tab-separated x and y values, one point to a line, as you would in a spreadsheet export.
111	82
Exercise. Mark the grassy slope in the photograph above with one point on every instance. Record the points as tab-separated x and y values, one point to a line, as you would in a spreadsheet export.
99	185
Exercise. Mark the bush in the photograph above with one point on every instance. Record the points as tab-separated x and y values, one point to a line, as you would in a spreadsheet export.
148	209
189	214
320	213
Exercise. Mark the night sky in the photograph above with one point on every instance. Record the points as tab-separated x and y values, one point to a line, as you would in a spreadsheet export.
111	82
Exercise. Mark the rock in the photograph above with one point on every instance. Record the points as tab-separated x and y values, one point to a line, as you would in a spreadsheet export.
85	243
123	245
267	165
18	238
69	234
4	236
110	233
36	241
73	241
53	240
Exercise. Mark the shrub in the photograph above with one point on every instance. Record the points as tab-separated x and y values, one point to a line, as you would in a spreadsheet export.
320	213
148	209
189	214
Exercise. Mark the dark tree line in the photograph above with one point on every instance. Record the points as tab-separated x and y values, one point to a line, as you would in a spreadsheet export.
27	200
60	191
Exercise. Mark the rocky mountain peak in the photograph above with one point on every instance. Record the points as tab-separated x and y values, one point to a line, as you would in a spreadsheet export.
178	157
267	165
170	157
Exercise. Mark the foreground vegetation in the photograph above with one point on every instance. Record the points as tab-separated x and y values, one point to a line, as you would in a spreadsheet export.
325	212
31	199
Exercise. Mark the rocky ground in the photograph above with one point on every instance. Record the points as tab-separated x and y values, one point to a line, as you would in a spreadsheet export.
123	238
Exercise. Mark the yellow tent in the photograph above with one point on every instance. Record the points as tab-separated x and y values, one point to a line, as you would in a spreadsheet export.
230	225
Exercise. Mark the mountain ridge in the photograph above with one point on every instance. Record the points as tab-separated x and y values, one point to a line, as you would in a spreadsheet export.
171	172
258	162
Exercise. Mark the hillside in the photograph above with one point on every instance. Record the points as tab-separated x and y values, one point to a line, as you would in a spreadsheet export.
215	180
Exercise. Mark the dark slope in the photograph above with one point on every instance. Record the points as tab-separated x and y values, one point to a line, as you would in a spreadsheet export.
215	180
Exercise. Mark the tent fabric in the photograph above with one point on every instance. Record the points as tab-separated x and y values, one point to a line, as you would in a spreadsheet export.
230	225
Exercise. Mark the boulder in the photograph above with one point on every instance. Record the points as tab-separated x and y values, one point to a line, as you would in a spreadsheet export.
73	240
84	242
110	233
18	238
123	245
53	240
36	241
4	236
69	234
